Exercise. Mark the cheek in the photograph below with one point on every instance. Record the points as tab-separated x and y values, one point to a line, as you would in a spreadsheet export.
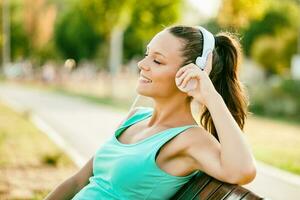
165	83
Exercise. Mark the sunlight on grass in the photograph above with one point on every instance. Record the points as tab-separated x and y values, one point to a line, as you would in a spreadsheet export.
30	164
275	142
21	143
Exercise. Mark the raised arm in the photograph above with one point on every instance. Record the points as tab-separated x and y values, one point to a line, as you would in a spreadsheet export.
230	160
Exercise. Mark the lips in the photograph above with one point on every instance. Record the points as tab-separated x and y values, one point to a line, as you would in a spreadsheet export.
146	77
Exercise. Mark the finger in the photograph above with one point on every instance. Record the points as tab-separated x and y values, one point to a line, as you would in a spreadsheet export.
187	78
182	77
208	64
183	69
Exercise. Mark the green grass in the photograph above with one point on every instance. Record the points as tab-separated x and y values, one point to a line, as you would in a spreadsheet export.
21	143
275	142
29	161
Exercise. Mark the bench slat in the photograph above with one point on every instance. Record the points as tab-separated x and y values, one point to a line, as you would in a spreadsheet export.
205	187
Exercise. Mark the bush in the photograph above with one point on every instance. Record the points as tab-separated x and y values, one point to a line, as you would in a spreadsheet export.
278	98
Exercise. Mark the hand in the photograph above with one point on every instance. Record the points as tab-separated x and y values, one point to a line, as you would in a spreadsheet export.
205	89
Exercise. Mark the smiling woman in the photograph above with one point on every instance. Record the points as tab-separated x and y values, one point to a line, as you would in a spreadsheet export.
155	151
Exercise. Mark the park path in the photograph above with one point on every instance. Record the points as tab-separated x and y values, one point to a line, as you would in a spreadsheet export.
81	127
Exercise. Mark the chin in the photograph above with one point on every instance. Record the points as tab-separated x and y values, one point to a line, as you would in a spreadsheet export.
142	92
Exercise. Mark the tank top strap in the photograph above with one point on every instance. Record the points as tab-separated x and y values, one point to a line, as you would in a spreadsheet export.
164	138
141	113
171	134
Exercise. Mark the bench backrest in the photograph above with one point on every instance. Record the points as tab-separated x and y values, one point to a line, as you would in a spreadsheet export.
205	187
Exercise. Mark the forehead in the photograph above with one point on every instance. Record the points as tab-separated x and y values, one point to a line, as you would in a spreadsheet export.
167	44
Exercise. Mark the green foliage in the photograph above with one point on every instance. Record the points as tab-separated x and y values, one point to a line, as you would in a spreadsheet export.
272	21
279	17
238	14
269	30
83	28
273	41
74	36
148	18
140	21
20	45
278	99
42	55
102	15
275	52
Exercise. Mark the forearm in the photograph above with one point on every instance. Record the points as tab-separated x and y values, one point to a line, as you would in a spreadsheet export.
65	191
236	156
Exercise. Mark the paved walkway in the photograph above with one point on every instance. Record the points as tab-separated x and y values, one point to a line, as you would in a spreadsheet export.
80	128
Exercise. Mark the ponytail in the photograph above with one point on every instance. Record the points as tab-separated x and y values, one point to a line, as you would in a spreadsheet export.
224	76
224	73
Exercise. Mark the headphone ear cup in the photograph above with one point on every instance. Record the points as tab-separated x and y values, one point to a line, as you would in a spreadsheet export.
200	62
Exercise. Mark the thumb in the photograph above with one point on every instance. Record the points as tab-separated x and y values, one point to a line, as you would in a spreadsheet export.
208	65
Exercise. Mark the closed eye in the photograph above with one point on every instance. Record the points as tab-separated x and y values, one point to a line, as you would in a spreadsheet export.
153	60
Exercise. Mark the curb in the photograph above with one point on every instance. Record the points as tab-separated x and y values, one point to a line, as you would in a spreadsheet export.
57	139
48	130
279	173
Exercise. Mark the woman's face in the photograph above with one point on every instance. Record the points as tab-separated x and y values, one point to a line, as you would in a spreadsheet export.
160	64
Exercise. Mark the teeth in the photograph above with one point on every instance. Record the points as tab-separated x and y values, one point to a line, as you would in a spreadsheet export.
149	81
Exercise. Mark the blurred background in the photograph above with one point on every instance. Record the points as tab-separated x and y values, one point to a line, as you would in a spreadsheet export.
69	70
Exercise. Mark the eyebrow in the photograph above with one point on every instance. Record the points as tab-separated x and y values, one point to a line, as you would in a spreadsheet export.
156	52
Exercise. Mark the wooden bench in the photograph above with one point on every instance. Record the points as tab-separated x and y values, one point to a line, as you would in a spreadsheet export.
204	187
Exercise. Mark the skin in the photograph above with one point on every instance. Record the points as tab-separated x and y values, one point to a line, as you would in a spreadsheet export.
194	149
230	160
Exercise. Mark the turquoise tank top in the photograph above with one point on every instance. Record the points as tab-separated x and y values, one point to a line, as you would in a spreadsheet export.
129	171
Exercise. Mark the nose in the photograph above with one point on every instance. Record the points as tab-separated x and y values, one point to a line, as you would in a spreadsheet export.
143	65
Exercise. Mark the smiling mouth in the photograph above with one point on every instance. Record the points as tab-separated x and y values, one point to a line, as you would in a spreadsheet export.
144	79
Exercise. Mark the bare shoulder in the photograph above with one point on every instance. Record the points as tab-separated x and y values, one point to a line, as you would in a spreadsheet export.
204	149
198	135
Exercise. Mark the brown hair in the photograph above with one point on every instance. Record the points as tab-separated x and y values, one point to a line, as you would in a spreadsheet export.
224	73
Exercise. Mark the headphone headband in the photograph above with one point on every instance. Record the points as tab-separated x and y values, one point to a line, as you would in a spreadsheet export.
208	46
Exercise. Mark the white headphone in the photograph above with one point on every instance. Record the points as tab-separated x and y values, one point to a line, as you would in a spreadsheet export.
208	47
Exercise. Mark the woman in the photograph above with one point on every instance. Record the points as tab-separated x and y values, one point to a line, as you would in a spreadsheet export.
156	151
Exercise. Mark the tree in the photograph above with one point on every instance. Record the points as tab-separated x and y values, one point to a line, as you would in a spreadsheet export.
274	52
74	36
138	21
149	18
272	41
109	19
268	28
238	14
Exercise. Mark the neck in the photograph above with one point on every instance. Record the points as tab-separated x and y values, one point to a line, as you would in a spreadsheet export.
171	112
